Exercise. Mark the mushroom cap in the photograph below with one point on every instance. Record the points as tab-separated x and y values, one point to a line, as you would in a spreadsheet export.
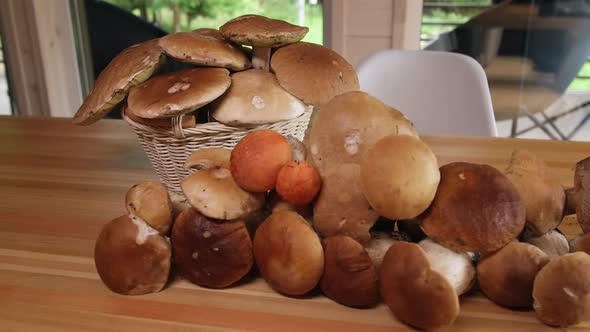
341	208
260	31
149	201
178	92
581	243
346	127
350	277
507	275
476	209
378	245
132	258
288	253
313	73
206	158
257	159
582	188
129	68
254	98
204	48
456	267
542	193
553	243
208	253
188	121
215	194
399	176
416	294
561	291
298	182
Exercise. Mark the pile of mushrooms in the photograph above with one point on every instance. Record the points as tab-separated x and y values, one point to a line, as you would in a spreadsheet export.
361	211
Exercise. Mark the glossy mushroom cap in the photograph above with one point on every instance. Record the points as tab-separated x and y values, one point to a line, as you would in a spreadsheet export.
416	294
313	73
561	291
507	275
132	258
129	68
260	31
553	243
288	253
204	47
298	183
542	193
476	209
149	201
456	267
346	127
350	277
206	158
399	176
215	194
178	93
254	98
341	208
257	159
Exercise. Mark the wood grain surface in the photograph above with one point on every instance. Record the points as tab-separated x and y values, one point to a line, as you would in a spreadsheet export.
60	183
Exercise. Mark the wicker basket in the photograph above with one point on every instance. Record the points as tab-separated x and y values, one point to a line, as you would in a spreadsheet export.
167	149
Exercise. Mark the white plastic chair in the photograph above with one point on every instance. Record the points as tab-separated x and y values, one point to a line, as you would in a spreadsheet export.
441	93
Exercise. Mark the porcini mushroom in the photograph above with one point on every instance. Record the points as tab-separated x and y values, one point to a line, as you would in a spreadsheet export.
208	253
298	149
276	203
476	209
581	243
346	127
341	208
399	176
207	158
507	275
298	182
552	243
578	198
561	291
456	267
350	277
288	253
150	202
178	92
215	194
262	34
129	68
541	192
131	258
188	121
313	73
416	294
378	245
257	159
254	98
204	47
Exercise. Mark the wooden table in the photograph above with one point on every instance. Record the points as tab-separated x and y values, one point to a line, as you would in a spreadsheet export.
60	183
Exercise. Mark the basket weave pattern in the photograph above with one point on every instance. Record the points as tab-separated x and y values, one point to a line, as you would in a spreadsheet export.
167	149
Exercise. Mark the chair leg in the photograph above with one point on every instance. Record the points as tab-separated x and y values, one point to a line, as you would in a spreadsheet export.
555	117
579	126
514	126
552	124
540	125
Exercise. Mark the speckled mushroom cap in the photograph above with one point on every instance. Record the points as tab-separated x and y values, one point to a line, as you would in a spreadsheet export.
204	47
129	68
313	73
179	92
260	31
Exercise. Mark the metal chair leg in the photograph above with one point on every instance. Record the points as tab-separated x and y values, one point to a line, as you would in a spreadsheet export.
514	126
540	125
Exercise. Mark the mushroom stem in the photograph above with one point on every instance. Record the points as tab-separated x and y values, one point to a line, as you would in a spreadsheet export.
570	202
261	58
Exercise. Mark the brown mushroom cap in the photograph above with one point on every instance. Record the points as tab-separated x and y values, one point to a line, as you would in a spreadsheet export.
188	121
507	275
350	278
476	209
378	245
553	243
399	176
254	98
313	73
581	243
260	31
416	294
341	208
149	201
207	158
215	194
132	258
582	188
129	68
346	127
208	253
288	253
204	48
178	93
542	193
561	291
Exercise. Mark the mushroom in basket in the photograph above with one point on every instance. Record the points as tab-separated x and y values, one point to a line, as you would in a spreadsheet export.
578	198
